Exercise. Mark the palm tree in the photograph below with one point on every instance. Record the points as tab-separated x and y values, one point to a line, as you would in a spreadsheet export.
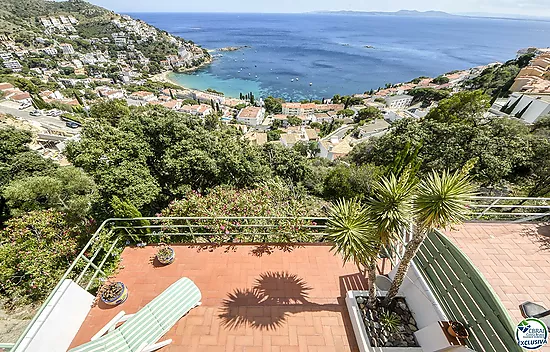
440	201
352	236
390	209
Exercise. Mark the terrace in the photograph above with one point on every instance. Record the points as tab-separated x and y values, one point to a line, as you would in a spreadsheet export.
291	297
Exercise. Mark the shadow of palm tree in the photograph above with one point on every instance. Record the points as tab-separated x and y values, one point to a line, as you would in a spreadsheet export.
274	296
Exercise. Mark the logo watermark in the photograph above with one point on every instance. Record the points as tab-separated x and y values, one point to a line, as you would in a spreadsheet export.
532	334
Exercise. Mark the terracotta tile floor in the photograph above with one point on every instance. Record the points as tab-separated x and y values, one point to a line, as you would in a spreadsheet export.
514	258
252	301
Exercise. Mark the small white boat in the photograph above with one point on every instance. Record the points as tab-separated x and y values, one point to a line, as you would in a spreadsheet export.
297	79
310	83
249	73
256	76
292	80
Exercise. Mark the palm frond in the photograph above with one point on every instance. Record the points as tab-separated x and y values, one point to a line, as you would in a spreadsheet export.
391	206
442	200
350	232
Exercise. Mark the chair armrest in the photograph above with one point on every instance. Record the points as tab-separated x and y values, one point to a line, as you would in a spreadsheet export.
109	326
154	347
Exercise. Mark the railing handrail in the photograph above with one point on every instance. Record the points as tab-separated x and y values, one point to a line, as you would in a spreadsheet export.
113	221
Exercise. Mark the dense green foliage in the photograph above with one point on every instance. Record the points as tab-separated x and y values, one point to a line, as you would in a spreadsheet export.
368	114
427	96
36	249
504	150
267	200
497	80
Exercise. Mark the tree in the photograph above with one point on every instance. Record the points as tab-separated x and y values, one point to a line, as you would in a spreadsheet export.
284	162
349	182
390	209
441	201
346	113
441	80
273	105
368	114
428	95
111	111
36	249
294	120
273	135
351	236
466	107
68	189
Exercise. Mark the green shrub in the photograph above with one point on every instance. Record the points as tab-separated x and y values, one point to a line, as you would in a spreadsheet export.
36	249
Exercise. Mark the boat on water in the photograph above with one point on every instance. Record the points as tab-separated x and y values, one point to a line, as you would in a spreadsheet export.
292	80
310	83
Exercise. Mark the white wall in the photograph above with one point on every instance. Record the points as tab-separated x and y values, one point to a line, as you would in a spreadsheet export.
421	302
60	320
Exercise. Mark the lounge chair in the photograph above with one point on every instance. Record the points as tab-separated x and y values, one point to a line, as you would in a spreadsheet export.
533	310
142	330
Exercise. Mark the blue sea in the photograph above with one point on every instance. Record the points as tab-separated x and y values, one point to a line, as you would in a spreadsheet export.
303	56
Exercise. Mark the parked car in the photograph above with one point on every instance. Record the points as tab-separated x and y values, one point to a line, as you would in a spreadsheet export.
36	113
54	113
72	124
24	106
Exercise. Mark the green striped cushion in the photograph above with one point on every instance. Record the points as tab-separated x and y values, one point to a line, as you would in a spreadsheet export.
175	302
112	342
151	322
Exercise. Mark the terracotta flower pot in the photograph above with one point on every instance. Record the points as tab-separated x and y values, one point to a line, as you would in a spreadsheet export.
166	255
458	330
120	298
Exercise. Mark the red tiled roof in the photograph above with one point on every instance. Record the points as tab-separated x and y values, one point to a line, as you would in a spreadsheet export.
6	86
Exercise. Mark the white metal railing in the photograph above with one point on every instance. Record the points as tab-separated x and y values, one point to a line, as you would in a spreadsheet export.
94	257
517	209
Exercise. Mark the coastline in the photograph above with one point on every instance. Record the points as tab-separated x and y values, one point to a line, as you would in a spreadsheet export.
164	76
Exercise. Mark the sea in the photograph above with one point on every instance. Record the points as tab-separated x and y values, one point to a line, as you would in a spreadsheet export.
313	55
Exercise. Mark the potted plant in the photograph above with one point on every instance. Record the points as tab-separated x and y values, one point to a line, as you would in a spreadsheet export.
457	329
166	254
114	293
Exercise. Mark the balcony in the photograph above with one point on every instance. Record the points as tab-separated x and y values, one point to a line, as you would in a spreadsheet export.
290	296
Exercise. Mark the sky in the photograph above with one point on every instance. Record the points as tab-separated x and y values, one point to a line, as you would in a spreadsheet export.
513	7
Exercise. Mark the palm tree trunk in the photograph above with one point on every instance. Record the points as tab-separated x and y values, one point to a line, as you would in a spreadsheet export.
404	264
372	285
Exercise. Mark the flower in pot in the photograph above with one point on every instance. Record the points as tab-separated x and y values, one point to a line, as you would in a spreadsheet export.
114	293
457	329
166	255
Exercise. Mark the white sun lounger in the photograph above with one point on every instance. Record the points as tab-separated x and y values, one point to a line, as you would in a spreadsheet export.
141	331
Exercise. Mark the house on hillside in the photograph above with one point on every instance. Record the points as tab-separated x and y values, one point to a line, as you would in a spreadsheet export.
334	148
143	96
399	101
251	115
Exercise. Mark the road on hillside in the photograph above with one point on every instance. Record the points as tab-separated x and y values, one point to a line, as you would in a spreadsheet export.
48	122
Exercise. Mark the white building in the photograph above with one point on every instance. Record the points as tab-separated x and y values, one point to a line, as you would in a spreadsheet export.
334	148
399	101
50	51
526	107
67	48
373	128
251	115
5	56
13	65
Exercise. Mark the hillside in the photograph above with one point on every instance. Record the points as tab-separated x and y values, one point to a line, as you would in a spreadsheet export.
37	24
